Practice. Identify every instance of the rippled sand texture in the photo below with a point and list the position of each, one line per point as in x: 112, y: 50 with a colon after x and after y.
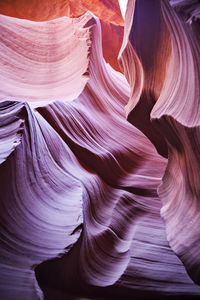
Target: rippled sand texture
x: 114, y: 202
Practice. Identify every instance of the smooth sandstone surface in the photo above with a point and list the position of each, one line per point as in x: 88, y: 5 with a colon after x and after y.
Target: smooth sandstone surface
x: 171, y: 113
x: 98, y: 205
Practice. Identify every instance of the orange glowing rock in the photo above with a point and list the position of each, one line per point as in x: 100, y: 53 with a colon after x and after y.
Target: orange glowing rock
x: 112, y: 37
x: 43, y: 10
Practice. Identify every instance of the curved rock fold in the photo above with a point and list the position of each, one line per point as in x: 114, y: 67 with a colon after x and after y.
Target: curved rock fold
x: 94, y: 202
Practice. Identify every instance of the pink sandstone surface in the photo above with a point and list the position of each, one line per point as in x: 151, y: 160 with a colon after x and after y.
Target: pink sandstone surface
x: 99, y: 168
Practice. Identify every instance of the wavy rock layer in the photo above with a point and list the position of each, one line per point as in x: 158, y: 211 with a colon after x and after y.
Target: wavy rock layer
x: 77, y: 178
x: 41, y: 61
x: 41, y: 202
x: 167, y: 94
x: 44, y: 10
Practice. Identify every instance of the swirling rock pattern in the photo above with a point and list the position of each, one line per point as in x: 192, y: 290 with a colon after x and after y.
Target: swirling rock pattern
x: 43, y: 10
x: 78, y: 182
x: 170, y: 104
x: 41, y: 203
x: 51, y: 50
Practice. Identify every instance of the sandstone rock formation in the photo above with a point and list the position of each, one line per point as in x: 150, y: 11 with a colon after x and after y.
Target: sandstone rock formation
x: 99, y: 206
